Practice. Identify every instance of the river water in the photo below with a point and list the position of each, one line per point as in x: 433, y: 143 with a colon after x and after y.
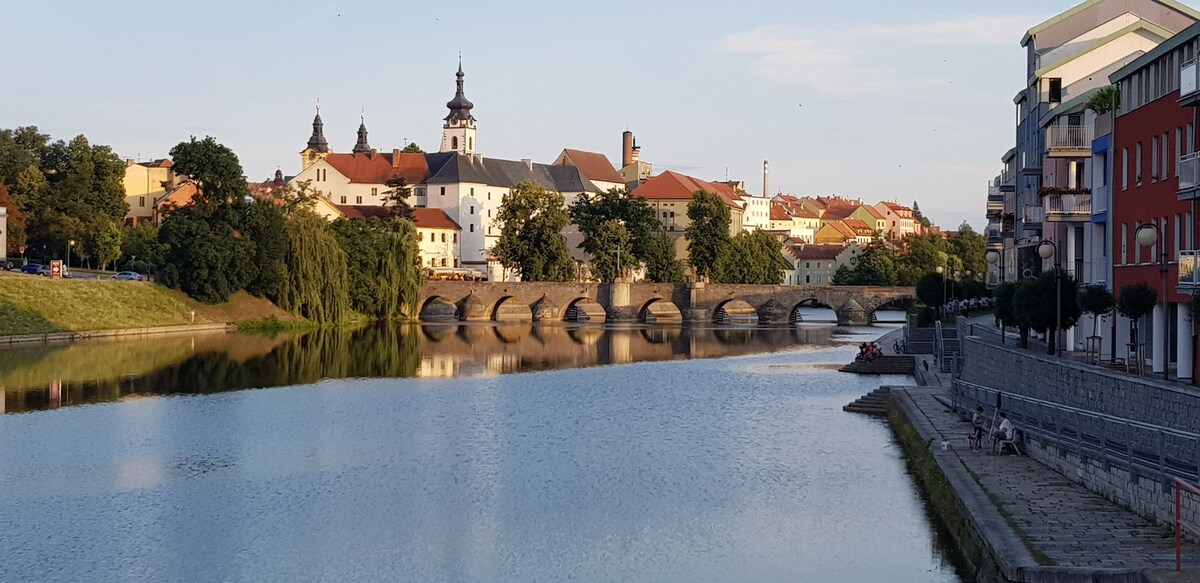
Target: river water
x: 399, y: 453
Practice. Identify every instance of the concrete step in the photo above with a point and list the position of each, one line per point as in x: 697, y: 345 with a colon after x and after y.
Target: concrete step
x: 873, y: 403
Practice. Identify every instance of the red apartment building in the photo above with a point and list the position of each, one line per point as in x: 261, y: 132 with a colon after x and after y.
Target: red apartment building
x: 1154, y: 141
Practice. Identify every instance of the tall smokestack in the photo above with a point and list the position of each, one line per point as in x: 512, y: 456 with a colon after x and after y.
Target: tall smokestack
x: 766, y: 182
x: 626, y: 148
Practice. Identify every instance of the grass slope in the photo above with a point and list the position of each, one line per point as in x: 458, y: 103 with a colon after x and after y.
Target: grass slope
x: 36, y: 305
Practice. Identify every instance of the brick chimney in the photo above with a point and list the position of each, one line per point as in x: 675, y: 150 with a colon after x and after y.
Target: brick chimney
x: 766, y: 182
x: 626, y: 148
x: 395, y: 158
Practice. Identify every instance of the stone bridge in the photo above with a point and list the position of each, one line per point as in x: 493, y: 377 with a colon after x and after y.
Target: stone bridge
x: 649, y: 302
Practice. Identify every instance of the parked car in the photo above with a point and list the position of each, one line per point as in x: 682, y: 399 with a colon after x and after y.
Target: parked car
x: 43, y: 270
x: 129, y: 276
x: 31, y: 269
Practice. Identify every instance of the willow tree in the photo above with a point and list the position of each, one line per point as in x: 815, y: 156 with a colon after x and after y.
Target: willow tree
x: 385, y: 274
x: 315, y: 286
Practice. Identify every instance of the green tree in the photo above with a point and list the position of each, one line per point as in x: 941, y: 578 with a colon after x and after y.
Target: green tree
x: 1003, y: 307
x: 31, y: 191
x: 263, y: 222
x: 214, y: 167
x: 920, y: 218
x: 638, y: 219
x: 207, y: 257
x: 931, y: 290
x: 610, y: 249
x: 140, y: 242
x: 396, y: 197
x: 1036, y: 300
x: 531, y: 220
x: 1104, y: 100
x: 316, y: 286
x: 384, y: 272
x: 104, y: 244
x: 752, y: 258
x: 662, y: 265
x: 708, y: 234
x: 20, y: 148
x: 876, y: 265
x: 1134, y: 302
x: 1097, y: 301
x: 970, y: 248
x: 412, y: 148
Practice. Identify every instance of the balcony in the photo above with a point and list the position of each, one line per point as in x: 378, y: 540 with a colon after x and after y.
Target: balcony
x: 1189, y: 176
x: 995, y: 206
x: 1189, y: 276
x: 1068, y: 207
x: 1032, y: 217
x: 1189, y: 84
x: 995, y: 238
x: 1069, y: 141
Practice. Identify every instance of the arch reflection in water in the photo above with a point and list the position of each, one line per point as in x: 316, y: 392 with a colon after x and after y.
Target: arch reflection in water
x: 45, y: 377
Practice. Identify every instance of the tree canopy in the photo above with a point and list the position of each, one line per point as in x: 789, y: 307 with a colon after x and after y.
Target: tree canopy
x: 754, y: 258
x: 708, y: 233
x: 646, y: 241
x: 531, y: 220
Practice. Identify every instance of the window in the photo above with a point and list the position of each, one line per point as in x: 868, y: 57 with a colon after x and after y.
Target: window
x: 1154, y: 158
x: 1124, y: 243
x: 472, y: 209
x: 472, y: 191
x: 1176, y: 251
x: 343, y: 200
x: 433, y: 237
x: 374, y: 191
x: 455, y: 235
x: 489, y: 230
x: 1124, y: 168
x: 1166, y: 156
x: 358, y: 200
x: 443, y: 191
x: 443, y: 262
x: 808, y: 279
x: 1190, y: 136
x: 454, y: 143
x: 472, y: 228
x: 443, y: 237
x: 808, y: 265
x: 141, y: 201
x: 1137, y: 163
x: 489, y: 195
x: 1055, y: 90
x: 489, y: 213
x: 456, y: 262
x: 471, y: 143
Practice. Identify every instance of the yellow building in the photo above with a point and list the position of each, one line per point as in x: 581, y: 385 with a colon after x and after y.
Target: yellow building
x: 145, y: 184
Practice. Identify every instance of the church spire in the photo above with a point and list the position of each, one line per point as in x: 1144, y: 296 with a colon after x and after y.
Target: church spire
x: 317, y: 142
x: 362, y: 147
x: 460, y: 107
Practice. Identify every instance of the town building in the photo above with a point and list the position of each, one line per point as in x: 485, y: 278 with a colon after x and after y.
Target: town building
x: 145, y: 183
x: 835, y: 233
x: 595, y: 167
x: 1154, y: 184
x: 670, y: 193
x: 816, y: 264
x: 898, y: 220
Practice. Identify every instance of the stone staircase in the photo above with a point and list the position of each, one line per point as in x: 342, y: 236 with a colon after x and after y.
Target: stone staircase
x: 951, y: 349
x: 920, y: 341
x: 874, y: 403
x: 887, y: 364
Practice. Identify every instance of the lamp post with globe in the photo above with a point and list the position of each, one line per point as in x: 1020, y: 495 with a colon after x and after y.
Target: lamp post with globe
x: 1046, y: 250
x: 1147, y: 236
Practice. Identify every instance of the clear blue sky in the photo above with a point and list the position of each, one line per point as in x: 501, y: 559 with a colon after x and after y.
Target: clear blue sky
x: 877, y: 99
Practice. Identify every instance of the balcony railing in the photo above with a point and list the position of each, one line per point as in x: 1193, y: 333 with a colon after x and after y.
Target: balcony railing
x: 1068, y: 138
x: 1033, y: 216
x: 1189, y: 276
x: 1068, y: 206
x: 1189, y: 171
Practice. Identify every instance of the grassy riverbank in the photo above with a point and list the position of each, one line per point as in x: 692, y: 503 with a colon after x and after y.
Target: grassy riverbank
x: 39, y: 305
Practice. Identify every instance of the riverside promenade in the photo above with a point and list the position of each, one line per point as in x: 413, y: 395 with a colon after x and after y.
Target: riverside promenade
x: 1022, y: 520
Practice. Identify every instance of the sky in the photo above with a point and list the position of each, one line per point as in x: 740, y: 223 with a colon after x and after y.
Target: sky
x: 876, y: 99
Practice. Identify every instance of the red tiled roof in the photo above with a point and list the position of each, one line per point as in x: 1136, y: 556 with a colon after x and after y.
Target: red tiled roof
x: 674, y: 186
x: 363, y: 211
x: 431, y: 218
x: 839, y: 212
x: 594, y: 166
x: 899, y: 208
x: 379, y: 168
x: 859, y: 226
x: 842, y: 228
x: 873, y: 211
x: 779, y: 212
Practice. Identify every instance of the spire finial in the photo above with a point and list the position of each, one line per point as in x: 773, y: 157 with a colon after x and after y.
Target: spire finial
x: 318, y: 106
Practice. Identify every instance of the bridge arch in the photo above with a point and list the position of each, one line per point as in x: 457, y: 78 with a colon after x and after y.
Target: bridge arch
x: 511, y: 309
x: 796, y: 316
x: 584, y: 309
x: 735, y: 311
x: 660, y: 311
x: 438, y: 309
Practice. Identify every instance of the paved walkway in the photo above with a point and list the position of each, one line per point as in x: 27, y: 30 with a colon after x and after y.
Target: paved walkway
x: 1058, y: 521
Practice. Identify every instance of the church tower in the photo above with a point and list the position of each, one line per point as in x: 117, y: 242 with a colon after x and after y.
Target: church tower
x: 458, y: 133
x: 317, y: 148
x: 362, y: 147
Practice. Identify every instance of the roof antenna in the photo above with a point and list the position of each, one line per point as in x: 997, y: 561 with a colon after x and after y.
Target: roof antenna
x: 726, y: 174
x: 318, y: 106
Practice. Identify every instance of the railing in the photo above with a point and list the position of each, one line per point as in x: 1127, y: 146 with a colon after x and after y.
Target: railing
x: 1033, y: 215
x: 1189, y: 74
x: 1180, y: 525
x: 1189, y: 276
x: 1150, y: 450
x: 1099, y: 199
x: 1068, y: 204
x: 1189, y: 171
x: 1007, y: 177
x: 1069, y: 138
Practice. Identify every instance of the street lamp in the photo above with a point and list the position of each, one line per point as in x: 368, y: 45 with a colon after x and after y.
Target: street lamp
x: 1147, y: 236
x: 942, y: 270
x: 997, y: 258
x: 1046, y: 249
x: 70, y: 244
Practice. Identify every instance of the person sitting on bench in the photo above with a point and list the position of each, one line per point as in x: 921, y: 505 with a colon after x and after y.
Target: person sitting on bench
x: 1004, y: 435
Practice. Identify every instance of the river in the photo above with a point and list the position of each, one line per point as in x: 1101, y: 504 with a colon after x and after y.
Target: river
x: 456, y: 453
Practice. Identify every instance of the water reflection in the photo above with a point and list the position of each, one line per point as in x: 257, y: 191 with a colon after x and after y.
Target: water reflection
x: 46, y: 377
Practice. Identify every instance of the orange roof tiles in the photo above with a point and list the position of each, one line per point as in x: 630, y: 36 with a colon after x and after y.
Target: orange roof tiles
x: 779, y: 212
x: 816, y: 251
x: 674, y: 186
x: 375, y: 168
x: 363, y: 211
x: 594, y: 166
x: 859, y: 226
x: 431, y: 218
